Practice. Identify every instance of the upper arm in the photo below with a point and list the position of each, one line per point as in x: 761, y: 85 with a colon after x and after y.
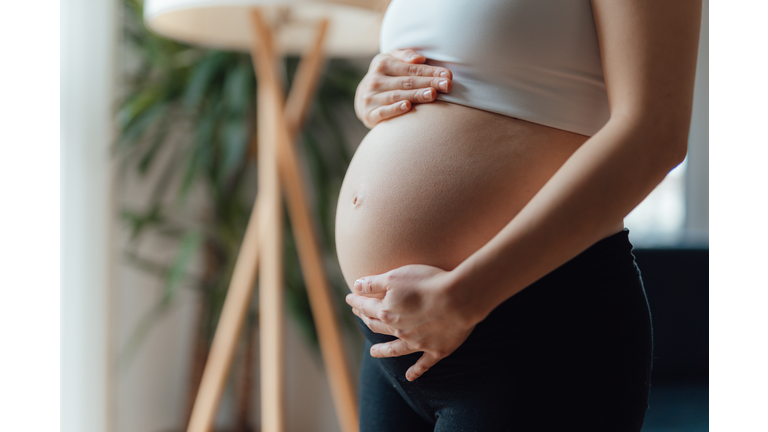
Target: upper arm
x: 649, y: 49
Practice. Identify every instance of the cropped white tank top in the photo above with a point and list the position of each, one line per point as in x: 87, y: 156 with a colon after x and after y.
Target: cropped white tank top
x: 536, y: 60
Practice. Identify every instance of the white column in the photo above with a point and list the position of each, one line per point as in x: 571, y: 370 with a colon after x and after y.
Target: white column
x: 697, y: 176
x: 88, y: 35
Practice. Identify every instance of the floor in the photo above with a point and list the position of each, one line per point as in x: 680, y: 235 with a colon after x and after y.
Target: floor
x: 678, y: 408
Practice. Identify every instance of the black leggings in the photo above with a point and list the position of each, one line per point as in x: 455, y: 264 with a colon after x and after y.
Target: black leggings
x: 570, y: 352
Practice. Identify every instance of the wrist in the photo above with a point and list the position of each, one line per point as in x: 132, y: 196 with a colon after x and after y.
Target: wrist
x: 469, y: 296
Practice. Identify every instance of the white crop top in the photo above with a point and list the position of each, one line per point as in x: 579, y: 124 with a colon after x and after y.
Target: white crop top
x: 536, y: 60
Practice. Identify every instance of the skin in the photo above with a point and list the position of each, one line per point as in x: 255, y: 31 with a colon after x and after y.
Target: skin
x: 648, y: 49
x: 409, y: 196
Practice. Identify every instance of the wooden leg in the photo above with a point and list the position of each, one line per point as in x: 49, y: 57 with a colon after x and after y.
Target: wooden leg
x: 271, y: 309
x: 230, y: 323
x: 310, y: 257
x: 304, y: 83
x: 278, y: 161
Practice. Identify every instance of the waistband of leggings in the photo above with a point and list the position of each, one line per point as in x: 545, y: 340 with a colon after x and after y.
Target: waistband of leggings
x: 609, y: 259
x: 614, y: 245
x: 606, y: 266
x: 609, y: 256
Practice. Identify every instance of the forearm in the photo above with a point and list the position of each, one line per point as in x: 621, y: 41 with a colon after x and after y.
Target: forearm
x: 582, y: 203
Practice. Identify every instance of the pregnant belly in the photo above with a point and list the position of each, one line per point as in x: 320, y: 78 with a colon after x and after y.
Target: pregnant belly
x: 433, y: 186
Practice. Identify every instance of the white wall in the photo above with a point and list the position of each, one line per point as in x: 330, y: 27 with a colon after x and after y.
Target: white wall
x: 87, y: 48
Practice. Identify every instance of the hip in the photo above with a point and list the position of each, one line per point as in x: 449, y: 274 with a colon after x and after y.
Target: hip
x: 590, y: 314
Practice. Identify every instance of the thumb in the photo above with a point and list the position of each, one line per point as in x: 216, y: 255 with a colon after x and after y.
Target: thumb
x: 408, y: 56
x: 371, y: 285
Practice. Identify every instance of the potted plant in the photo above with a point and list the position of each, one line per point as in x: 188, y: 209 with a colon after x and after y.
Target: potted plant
x: 197, y: 107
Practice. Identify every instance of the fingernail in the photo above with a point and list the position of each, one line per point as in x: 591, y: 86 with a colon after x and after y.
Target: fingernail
x: 427, y: 94
x: 403, y: 106
x: 374, y: 351
x: 443, y: 74
x: 443, y: 85
x: 413, y: 56
x: 359, y: 282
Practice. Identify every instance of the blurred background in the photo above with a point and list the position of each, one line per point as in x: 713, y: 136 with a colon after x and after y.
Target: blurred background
x: 157, y: 172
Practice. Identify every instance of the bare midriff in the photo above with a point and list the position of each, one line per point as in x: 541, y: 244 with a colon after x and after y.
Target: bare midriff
x: 436, y: 184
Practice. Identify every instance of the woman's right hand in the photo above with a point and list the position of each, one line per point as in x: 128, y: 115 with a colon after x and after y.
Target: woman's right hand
x: 396, y: 80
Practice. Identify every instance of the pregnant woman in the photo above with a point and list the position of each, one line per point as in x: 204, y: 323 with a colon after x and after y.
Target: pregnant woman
x: 482, y: 233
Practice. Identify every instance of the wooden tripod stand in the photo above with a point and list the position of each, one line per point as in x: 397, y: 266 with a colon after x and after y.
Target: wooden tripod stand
x: 278, y: 168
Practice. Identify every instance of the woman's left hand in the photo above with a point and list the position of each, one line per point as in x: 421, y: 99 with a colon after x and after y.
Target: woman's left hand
x: 421, y: 307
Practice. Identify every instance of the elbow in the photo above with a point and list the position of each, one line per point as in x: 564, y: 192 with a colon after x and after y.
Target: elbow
x: 662, y: 129
x: 663, y: 152
x: 675, y: 149
x: 674, y: 140
x: 663, y: 135
x: 669, y: 130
